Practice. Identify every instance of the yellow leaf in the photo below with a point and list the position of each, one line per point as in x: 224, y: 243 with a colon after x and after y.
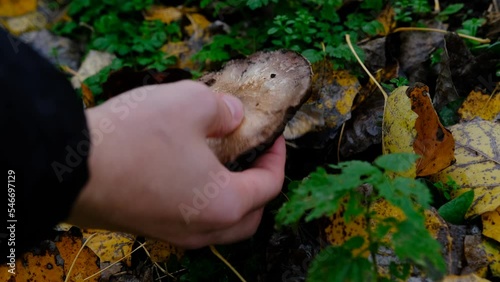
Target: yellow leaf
x: 110, y: 246
x: 399, y: 125
x: 491, y: 224
x: 53, y: 262
x: 160, y: 252
x: 471, y: 277
x: 479, y: 104
x: 198, y: 27
x: 14, y: 8
x: 493, y: 255
x: 27, y: 22
x: 411, y: 125
x: 162, y: 13
x: 477, y: 164
x: 386, y: 18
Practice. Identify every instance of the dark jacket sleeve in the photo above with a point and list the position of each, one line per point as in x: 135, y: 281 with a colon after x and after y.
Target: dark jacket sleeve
x: 44, y: 146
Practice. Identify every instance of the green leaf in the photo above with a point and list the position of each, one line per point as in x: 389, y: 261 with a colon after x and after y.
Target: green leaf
x: 337, y: 264
x: 451, y: 9
x: 397, y: 162
x: 454, y: 211
x: 272, y: 30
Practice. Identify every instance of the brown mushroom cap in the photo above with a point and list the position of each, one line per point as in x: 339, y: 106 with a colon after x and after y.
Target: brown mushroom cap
x: 272, y: 85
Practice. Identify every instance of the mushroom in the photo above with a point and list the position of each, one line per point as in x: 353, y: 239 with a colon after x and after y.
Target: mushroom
x: 272, y: 86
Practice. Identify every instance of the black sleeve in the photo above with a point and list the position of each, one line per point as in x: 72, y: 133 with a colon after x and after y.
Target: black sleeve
x: 44, y: 146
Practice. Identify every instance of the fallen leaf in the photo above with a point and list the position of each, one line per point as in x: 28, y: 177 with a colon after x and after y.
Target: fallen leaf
x: 464, y: 278
x: 477, y: 164
x: 332, y: 95
x: 110, y: 246
x: 27, y: 22
x: 160, y: 252
x: 491, y: 224
x: 411, y: 125
x: 14, y: 8
x: 52, y: 262
x: 482, y: 105
x: 163, y: 13
x: 386, y: 18
x: 88, y: 97
x: 434, y: 142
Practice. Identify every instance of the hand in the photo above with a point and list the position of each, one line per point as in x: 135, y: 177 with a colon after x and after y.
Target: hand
x: 152, y: 173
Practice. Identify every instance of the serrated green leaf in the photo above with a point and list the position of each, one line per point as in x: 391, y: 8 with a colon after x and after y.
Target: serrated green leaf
x: 397, y: 162
x: 454, y: 211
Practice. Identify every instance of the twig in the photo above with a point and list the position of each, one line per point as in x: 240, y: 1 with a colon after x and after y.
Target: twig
x: 217, y: 254
x: 76, y: 257
x: 348, y: 39
x: 437, y: 7
x: 109, y: 266
x: 480, y: 40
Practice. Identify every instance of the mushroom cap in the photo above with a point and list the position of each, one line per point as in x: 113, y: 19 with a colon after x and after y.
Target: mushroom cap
x: 272, y: 85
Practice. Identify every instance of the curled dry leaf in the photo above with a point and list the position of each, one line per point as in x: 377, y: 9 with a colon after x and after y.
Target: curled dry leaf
x: 272, y: 86
x: 412, y: 125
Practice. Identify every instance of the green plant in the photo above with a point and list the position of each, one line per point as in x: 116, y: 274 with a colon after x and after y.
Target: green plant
x: 470, y: 27
x: 447, y: 188
x: 405, y: 10
x: 118, y: 27
x: 395, y: 83
x: 323, y: 194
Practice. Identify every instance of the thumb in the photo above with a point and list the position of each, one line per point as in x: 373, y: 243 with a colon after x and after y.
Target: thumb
x: 228, y: 116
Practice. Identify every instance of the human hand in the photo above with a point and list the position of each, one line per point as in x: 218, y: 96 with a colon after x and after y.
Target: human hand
x: 153, y: 174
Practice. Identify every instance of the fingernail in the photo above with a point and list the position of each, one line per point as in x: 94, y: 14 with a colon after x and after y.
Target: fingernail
x: 235, y: 106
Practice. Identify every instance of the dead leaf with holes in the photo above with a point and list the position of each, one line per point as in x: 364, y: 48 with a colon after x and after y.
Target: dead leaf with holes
x: 411, y: 125
x: 482, y: 105
x: 340, y: 231
x: 53, y: 260
x: 478, y: 164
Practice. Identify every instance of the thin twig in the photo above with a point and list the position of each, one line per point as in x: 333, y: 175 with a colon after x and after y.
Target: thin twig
x: 76, y: 257
x: 109, y: 266
x: 217, y: 254
x: 437, y: 7
x: 480, y: 40
x: 348, y: 39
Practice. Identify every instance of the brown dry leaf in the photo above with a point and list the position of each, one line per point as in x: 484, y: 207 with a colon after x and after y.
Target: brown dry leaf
x: 160, y: 252
x: 110, y: 246
x: 434, y: 142
x: 482, y: 105
x: 478, y: 164
x: 163, y: 13
x: 412, y: 125
x: 14, y: 8
x: 88, y: 97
